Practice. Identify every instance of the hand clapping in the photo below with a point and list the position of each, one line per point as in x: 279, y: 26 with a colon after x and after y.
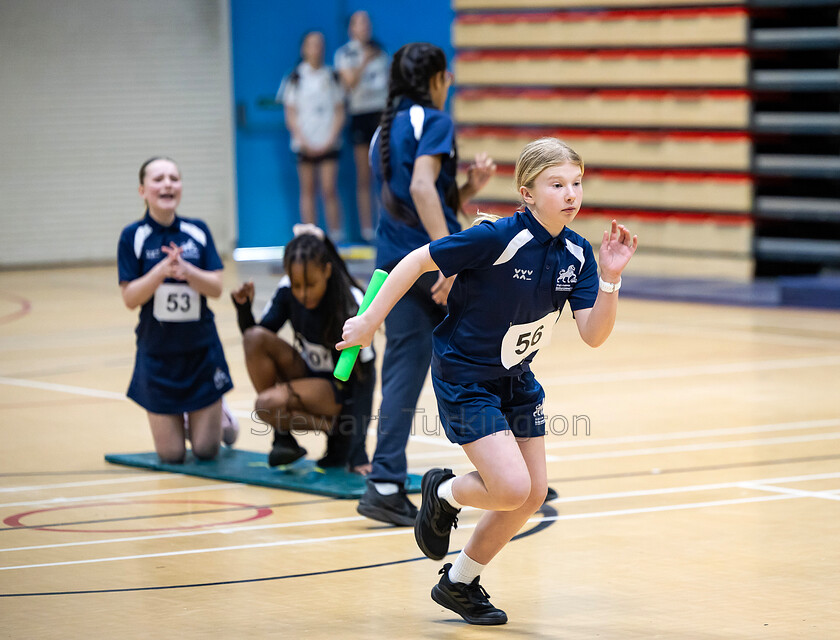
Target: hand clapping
x: 172, y: 265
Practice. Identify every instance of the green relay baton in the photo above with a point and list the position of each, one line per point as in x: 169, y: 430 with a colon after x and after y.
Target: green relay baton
x: 347, y: 359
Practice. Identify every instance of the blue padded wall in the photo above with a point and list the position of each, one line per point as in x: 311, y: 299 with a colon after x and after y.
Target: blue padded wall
x: 266, y: 38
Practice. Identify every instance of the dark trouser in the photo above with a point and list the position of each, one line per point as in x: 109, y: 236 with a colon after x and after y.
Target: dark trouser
x: 408, y: 353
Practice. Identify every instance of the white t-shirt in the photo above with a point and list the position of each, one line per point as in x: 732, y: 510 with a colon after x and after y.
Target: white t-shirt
x: 313, y: 93
x: 371, y: 93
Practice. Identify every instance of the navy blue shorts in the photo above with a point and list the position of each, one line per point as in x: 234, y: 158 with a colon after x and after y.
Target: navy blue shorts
x: 179, y: 383
x: 472, y: 410
x: 329, y: 155
x: 363, y: 126
x: 341, y: 390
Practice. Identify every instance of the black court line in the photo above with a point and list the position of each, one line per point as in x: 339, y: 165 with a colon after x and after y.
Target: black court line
x: 713, y: 467
x: 276, y: 505
x: 546, y: 510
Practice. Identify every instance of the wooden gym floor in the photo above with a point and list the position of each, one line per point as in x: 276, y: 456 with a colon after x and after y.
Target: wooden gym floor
x: 696, y: 454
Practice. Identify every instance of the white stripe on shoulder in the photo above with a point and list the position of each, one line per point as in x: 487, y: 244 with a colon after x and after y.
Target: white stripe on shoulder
x: 576, y: 251
x: 140, y: 236
x: 417, y: 115
x: 285, y: 282
x: 195, y: 232
x: 519, y: 240
x: 358, y: 296
x: 373, y: 142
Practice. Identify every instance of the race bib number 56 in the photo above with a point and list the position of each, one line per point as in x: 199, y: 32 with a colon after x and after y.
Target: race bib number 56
x: 521, y: 340
x: 176, y: 302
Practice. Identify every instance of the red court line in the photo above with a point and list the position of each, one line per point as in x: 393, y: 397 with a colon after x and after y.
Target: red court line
x: 17, y: 519
x: 605, y: 94
x: 600, y: 16
x: 538, y: 132
x: 652, y: 176
x: 25, y: 307
x: 734, y: 219
x: 542, y: 54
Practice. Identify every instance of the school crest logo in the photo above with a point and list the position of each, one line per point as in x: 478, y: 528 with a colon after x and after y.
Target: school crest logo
x: 566, y: 279
x: 220, y: 378
x: 190, y: 250
x: 539, y: 416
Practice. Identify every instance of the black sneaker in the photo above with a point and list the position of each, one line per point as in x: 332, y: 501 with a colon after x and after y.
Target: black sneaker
x: 337, y: 452
x: 285, y: 450
x: 470, y: 601
x: 436, y: 518
x: 394, y: 509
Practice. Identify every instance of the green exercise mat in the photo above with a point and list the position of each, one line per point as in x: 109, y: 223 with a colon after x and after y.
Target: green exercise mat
x: 251, y: 467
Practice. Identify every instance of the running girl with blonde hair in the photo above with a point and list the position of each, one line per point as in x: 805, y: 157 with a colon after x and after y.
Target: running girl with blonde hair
x: 488, y: 399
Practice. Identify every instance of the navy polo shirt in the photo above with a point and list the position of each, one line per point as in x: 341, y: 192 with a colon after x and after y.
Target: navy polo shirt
x: 513, y: 280
x: 415, y: 131
x: 176, y: 319
x: 308, y: 325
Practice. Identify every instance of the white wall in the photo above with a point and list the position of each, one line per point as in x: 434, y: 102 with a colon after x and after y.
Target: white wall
x: 88, y: 90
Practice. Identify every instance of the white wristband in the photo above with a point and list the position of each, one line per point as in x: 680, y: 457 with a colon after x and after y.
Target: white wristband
x: 608, y: 287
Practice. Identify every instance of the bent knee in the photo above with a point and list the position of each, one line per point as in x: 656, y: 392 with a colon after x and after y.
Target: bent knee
x: 172, y: 455
x: 537, y: 496
x: 254, y: 338
x: 275, y: 398
x: 513, y: 493
x: 206, y: 445
x: 206, y: 451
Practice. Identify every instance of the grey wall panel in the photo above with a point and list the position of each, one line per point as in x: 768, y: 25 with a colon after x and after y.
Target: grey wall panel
x: 88, y: 90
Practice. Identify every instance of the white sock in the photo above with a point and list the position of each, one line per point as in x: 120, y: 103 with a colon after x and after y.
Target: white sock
x: 465, y: 569
x: 386, y: 488
x: 445, y: 493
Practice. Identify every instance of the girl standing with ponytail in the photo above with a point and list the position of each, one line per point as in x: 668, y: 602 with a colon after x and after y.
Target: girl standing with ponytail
x: 414, y: 160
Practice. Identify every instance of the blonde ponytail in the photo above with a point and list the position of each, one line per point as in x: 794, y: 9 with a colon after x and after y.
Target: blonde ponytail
x: 480, y: 217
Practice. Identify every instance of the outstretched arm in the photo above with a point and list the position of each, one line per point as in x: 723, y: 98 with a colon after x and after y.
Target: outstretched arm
x: 359, y: 330
x: 617, y: 247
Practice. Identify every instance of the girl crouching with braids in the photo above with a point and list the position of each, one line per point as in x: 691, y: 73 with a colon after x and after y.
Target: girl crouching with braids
x: 295, y: 386
x: 414, y: 160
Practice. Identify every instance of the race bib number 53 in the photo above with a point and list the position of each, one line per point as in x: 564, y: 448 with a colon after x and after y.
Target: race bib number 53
x: 176, y: 302
x: 521, y: 340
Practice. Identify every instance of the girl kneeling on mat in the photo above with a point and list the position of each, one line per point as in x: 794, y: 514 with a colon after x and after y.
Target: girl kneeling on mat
x: 514, y: 276
x: 168, y: 266
x: 295, y: 386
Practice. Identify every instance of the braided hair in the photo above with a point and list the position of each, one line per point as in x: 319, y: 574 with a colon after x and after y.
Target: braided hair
x: 412, y: 69
x: 338, y: 298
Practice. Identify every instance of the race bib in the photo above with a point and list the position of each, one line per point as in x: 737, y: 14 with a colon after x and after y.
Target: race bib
x: 317, y: 357
x: 521, y: 340
x: 176, y: 302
